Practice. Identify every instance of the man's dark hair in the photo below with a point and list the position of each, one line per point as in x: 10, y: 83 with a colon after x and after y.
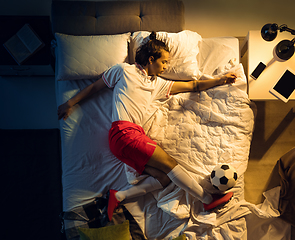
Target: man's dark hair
x: 152, y: 48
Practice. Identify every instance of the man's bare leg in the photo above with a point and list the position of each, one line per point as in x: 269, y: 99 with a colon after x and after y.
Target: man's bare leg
x: 158, y: 174
x: 178, y: 175
x: 161, y: 160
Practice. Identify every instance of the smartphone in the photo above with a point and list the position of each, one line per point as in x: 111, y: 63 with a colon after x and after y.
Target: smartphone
x: 285, y: 86
x: 258, y: 70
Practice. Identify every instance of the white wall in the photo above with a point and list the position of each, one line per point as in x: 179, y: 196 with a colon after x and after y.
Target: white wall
x: 235, y: 17
x: 30, y: 102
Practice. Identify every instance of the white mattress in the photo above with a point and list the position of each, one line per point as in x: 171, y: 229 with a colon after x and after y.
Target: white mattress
x: 90, y: 169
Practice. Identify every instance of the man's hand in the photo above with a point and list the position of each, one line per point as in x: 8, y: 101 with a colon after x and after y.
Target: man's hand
x: 228, y: 78
x: 64, y: 111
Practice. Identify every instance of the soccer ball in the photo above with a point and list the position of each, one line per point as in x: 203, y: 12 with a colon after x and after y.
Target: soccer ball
x: 223, y: 177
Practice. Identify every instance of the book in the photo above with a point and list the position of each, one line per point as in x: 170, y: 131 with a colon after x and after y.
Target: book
x: 23, y: 44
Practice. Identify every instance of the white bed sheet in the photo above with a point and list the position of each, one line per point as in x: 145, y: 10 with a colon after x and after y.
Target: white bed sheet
x: 90, y: 169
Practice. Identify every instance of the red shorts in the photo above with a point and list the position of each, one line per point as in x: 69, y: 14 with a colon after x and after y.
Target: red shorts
x: 129, y: 144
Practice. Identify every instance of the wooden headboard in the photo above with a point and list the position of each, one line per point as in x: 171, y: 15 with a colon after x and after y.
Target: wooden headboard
x: 114, y: 17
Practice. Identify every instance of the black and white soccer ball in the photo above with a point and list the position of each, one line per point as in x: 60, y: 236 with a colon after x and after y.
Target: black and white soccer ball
x: 223, y: 177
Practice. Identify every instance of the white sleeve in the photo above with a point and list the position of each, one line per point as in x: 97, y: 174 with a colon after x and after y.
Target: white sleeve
x: 163, y: 88
x: 113, y: 75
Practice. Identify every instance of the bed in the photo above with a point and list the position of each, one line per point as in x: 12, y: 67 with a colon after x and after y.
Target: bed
x: 200, y: 130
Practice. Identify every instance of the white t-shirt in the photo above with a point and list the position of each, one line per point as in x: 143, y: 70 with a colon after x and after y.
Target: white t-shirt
x: 136, y: 95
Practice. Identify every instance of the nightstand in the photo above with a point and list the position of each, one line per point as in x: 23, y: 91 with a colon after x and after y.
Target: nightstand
x: 39, y: 64
x: 259, y: 50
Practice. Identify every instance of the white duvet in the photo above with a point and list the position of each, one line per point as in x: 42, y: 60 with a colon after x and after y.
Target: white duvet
x: 201, y: 130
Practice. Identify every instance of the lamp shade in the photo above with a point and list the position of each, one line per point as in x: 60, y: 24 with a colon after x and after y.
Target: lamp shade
x: 269, y: 31
x: 285, y: 49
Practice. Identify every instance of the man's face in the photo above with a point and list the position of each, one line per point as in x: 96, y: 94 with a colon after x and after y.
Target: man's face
x: 157, y: 67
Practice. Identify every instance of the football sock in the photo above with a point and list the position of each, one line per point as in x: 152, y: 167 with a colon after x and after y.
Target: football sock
x: 146, y: 185
x: 115, y: 197
x: 182, y: 179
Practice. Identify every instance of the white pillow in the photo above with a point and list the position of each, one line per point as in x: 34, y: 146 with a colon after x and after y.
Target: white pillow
x: 184, y: 50
x: 87, y: 57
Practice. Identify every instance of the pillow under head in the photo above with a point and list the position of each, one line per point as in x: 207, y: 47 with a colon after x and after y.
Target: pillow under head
x: 184, y: 50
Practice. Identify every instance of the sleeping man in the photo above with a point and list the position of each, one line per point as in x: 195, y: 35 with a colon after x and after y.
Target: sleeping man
x: 138, y: 91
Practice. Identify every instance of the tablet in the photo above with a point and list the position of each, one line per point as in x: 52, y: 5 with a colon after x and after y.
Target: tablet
x: 285, y: 86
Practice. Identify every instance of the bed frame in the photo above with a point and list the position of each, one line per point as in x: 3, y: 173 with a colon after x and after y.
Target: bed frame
x: 105, y: 17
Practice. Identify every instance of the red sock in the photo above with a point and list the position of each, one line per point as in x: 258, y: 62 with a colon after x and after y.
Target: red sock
x: 218, y: 199
x: 113, y: 203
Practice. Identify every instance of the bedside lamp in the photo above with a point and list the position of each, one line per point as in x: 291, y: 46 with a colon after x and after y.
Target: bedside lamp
x: 284, y: 49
